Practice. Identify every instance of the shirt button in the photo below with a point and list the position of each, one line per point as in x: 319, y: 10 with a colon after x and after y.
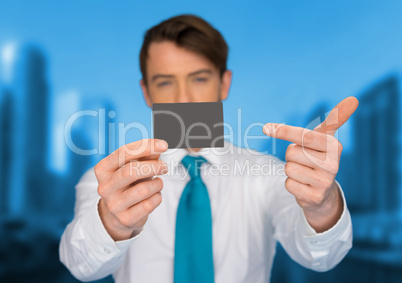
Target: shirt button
x: 314, y: 242
x: 87, y: 269
x: 317, y: 263
x: 106, y: 251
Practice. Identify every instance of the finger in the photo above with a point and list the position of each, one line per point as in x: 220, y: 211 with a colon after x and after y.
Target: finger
x: 299, y: 190
x: 338, y: 116
x: 298, y: 135
x: 135, y: 171
x: 150, y: 157
x: 139, y: 192
x: 300, y: 173
x: 144, y: 207
x: 136, y: 150
x: 139, y: 181
x: 305, y: 156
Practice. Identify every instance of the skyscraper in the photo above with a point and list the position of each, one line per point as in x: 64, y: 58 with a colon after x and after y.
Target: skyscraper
x: 5, y: 148
x: 377, y: 147
x: 29, y: 130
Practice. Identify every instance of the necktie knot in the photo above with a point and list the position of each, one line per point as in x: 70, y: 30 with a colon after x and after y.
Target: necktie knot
x: 193, y: 165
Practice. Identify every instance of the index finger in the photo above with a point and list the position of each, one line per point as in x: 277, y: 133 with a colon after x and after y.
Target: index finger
x: 141, y: 149
x: 297, y: 135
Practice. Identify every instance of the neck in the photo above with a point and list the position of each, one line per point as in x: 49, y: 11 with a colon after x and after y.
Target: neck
x: 193, y: 149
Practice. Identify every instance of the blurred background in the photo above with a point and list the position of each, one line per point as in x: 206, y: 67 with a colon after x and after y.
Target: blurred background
x: 292, y: 62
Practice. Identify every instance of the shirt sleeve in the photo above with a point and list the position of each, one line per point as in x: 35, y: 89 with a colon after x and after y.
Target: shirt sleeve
x: 316, y: 251
x: 86, y: 248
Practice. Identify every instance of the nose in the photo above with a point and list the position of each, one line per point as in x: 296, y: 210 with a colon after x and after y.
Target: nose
x: 183, y: 94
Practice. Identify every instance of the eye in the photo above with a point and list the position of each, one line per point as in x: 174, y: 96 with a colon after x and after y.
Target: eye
x: 165, y: 83
x: 200, y: 79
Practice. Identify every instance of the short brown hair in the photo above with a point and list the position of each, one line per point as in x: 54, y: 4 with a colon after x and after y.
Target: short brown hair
x: 192, y: 33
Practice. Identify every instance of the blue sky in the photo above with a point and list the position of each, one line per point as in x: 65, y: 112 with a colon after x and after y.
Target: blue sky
x: 287, y: 56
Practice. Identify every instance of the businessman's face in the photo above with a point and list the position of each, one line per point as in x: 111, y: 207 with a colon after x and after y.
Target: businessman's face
x: 175, y: 75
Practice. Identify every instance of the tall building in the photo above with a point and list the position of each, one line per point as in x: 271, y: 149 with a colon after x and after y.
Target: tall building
x: 376, y: 152
x: 29, y: 131
x: 5, y: 147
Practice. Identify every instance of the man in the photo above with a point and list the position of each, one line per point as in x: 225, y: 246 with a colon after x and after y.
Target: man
x: 205, y: 227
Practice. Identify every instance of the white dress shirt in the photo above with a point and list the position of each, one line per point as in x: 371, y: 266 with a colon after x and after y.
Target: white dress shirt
x: 251, y: 210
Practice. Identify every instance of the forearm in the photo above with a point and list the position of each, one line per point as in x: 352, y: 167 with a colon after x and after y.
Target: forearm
x: 87, y: 250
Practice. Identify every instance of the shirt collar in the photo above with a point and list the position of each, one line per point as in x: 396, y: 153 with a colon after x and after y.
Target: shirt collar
x: 214, y: 156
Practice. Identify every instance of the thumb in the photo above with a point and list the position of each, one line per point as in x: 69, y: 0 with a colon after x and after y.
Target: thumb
x: 338, y: 116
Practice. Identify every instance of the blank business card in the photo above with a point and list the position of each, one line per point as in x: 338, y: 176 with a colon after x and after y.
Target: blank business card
x: 189, y: 125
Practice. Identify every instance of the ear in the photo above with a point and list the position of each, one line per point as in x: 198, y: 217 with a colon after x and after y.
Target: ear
x: 145, y: 93
x: 225, y: 84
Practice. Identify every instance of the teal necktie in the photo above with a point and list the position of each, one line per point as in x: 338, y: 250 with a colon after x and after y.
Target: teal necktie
x: 193, y: 261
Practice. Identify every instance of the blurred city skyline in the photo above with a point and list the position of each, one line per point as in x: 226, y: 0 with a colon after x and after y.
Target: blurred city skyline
x: 312, y: 52
x: 295, y: 60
